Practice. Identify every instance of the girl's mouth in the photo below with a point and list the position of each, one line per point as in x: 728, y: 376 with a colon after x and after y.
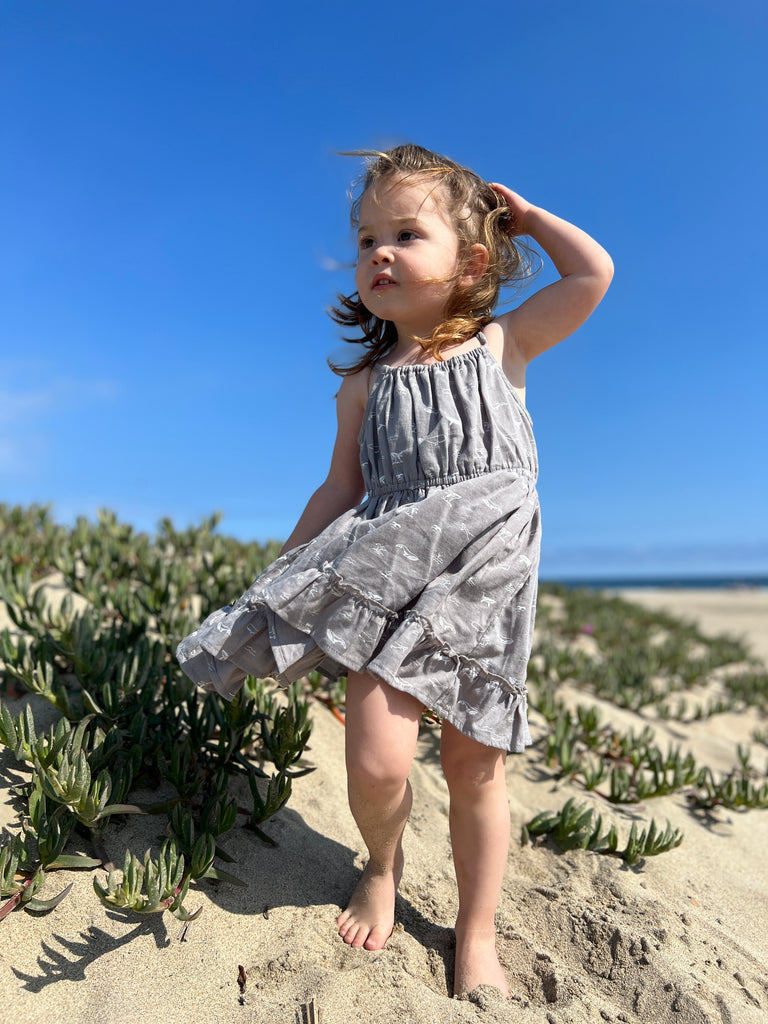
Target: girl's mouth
x: 381, y: 282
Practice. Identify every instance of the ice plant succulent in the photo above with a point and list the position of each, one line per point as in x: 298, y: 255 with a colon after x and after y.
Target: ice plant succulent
x: 129, y: 718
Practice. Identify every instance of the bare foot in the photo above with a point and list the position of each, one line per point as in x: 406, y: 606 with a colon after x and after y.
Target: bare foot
x: 477, y: 964
x: 368, y: 920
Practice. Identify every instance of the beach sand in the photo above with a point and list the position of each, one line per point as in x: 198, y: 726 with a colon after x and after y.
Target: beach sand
x: 582, y: 937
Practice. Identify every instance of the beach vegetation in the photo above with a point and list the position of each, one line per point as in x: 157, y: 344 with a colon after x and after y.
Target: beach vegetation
x: 637, y: 658
x: 592, y: 643
x: 575, y: 827
x: 151, y: 886
x: 582, y: 751
x: 740, y: 789
x: 95, y: 613
x: 748, y: 689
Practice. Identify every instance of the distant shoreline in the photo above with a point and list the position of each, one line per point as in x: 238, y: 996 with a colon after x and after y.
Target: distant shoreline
x: 681, y: 582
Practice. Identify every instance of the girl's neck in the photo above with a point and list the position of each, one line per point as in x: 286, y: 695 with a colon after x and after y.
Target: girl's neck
x: 408, y: 348
x: 414, y: 336
x: 411, y: 337
x: 411, y: 352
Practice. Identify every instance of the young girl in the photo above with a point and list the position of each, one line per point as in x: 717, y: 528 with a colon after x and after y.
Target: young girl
x: 413, y: 567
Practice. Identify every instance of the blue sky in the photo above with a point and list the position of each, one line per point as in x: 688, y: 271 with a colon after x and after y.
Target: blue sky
x: 174, y: 223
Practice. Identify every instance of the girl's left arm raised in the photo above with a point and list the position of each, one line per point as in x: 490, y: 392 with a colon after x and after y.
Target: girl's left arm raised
x: 557, y: 310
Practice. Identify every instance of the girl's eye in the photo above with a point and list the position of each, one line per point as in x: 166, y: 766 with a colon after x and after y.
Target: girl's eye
x: 406, y: 236
x: 365, y: 243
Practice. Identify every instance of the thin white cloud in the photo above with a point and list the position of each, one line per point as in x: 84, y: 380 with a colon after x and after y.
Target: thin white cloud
x: 29, y: 413
x: 50, y: 399
x: 20, y: 456
x: 332, y: 264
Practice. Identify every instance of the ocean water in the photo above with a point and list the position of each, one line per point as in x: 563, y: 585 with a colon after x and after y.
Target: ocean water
x: 681, y: 582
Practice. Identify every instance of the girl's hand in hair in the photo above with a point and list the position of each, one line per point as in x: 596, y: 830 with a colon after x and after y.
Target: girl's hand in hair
x: 518, y: 207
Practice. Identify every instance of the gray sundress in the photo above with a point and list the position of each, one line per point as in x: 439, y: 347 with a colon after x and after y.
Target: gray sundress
x: 430, y: 583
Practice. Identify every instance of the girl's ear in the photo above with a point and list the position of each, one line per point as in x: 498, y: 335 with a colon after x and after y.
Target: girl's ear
x: 477, y: 265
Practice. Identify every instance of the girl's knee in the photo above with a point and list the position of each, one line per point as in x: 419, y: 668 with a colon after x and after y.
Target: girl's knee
x: 367, y: 771
x: 468, y: 765
x: 381, y: 733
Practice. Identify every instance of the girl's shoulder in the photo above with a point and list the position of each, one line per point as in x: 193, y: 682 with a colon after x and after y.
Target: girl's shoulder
x: 355, y: 388
x: 501, y: 345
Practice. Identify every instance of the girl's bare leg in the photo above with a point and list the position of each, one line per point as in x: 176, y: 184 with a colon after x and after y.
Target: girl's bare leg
x: 381, y: 733
x: 479, y: 823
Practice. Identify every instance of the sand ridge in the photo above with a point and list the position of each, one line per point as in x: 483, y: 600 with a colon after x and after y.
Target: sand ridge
x: 582, y: 937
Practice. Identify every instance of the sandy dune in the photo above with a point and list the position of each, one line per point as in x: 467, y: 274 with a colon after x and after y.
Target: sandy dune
x: 582, y: 937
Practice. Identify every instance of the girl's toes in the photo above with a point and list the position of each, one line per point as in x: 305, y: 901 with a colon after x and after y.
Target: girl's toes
x: 377, y: 938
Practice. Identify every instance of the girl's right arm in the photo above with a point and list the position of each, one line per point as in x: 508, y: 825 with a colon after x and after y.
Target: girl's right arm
x: 558, y: 309
x: 343, y: 488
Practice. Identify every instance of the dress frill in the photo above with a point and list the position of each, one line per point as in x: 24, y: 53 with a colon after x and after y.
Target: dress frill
x: 430, y: 584
x: 303, y: 613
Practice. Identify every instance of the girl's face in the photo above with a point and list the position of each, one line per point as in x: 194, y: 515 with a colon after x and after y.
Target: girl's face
x: 408, y: 254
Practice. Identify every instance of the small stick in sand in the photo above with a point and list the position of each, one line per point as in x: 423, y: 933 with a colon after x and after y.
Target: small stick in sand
x: 310, y: 1014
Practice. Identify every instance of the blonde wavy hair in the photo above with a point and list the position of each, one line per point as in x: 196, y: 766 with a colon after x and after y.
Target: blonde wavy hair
x: 478, y: 215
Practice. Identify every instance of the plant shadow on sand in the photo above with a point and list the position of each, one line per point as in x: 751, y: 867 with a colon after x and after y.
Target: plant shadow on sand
x: 71, y: 962
x: 304, y: 869
x: 308, y: 869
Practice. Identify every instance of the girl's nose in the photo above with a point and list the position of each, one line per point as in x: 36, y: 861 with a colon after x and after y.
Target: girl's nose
x: 382, y: 255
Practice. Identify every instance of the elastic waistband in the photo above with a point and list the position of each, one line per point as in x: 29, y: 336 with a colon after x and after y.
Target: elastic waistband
x: 425, y: 483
